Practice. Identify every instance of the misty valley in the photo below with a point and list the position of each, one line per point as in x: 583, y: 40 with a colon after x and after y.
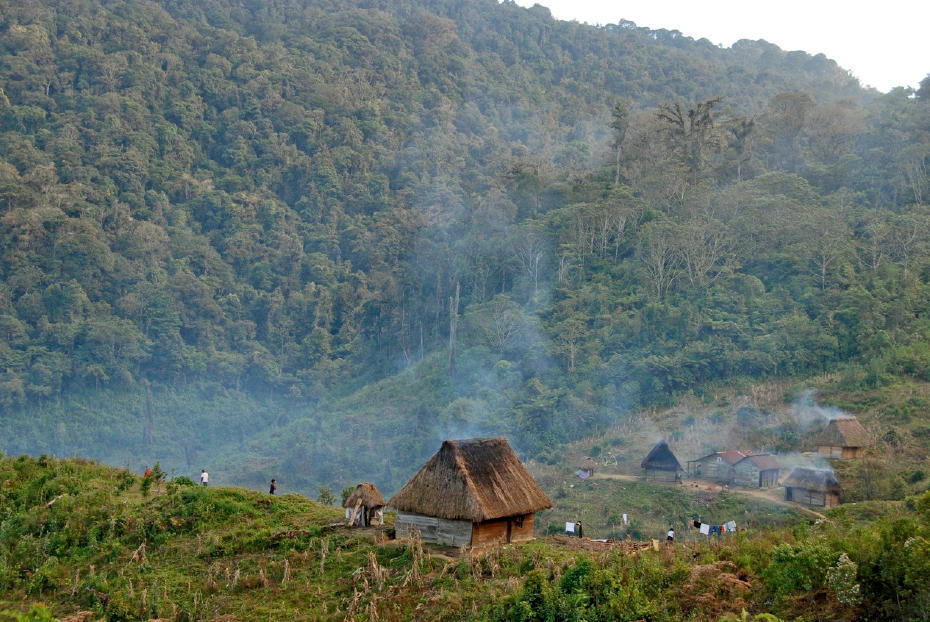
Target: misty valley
x: 522, y: 319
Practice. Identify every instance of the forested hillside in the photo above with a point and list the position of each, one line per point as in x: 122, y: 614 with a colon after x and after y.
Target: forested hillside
x: 280, y: 234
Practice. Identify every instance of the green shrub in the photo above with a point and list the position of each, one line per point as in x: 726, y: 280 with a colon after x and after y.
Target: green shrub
x: 799, y: 568
x: 326, y: 496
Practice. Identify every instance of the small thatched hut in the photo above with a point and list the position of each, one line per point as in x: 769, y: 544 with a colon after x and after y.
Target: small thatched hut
x: 812, y: 487
x: 365, y: 506
x: 586, y: 468
x: 473, y: 492
x: 844, y: 439
x: 661, y: 464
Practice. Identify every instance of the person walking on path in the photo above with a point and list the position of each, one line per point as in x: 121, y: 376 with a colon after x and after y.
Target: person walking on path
x: 274, y: 487
x: 204, y: 477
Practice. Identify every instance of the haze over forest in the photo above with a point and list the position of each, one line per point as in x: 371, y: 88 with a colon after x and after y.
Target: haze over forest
x: 234, y: 234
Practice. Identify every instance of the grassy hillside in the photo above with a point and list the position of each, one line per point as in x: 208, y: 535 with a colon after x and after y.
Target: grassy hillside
x: 79, y: 536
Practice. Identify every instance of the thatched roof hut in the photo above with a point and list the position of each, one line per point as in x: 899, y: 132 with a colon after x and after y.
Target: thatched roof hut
x: 369, y: 502
x: 812, y: 487
x: 586, y: 468
x: 661, y: 463
x: 368, y: 494
x: 472, y: 491
x: 843, y: 438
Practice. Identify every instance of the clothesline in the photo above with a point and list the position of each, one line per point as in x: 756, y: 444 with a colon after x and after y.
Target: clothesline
x: 709, y: 530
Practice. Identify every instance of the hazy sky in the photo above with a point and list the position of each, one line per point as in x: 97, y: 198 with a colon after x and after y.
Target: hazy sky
x: 883, y: 44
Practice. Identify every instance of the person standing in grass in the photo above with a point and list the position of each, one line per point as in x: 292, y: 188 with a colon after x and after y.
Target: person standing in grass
x: 274, y: 487
x: 204, y: 477
x: 670, y: 539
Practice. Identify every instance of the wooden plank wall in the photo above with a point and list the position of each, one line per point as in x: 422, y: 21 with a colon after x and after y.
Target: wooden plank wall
x: 432, y: 529
x: 716, y: 471
x: 812, y: 497
x: 524, y: 533
x: 502, y: 531
x: 770, y: 477
x: 660, y: 476
x: 746, y: 475
x: 489, y: 533
x: 828, y: 451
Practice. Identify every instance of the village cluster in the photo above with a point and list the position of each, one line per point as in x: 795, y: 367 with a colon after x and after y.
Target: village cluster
x: 843, y: 439
x: 477, y: 493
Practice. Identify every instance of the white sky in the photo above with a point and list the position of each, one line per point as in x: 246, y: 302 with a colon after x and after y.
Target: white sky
x: 882, y: 43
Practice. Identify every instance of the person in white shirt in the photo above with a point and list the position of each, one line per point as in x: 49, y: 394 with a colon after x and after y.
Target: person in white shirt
x: 204, y: 477
x: 671, y: 536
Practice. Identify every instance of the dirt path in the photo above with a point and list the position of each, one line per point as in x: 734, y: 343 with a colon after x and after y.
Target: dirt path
x: 773, y: 495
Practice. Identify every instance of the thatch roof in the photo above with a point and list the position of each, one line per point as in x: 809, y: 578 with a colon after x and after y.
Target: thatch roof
x: 765, y: 462
x: 369, y: 495
x: 844, y: 433
x: 477, y: 479
x: 587, y: 464
x: 662, y: 458
x: 820, y: 480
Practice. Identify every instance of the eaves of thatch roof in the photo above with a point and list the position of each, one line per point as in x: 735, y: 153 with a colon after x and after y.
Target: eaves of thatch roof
x: 368, y: 494
x: 477, y: 479
x: 844, y: 433
x: 820, y: 480
x: 587, y: 464
x: 662, y: 458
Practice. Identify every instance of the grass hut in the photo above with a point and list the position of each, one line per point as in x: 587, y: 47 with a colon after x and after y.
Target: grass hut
x: 812, y: 487
x: 756, y: 471
x: 365, y: 506
x: 586, y: 468
x: 844, y: 439
x: 661, y: 464
x: 474, y: 492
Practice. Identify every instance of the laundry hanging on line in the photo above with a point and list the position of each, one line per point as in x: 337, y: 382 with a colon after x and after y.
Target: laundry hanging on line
x: 708, y: 530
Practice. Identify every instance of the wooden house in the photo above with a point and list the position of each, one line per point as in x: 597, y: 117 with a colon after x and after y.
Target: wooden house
x: 586, y: 468
x: 365, y: 506
x: 844, y: 439
x: 717, y: 467
x: 737, y: 468
x: 756, y: 471
x: 661, y: 464
x: 812, y: 487
x: 472, y: 492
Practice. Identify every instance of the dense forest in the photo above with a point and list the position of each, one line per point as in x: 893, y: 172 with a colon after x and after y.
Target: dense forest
x: 273, y: 235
